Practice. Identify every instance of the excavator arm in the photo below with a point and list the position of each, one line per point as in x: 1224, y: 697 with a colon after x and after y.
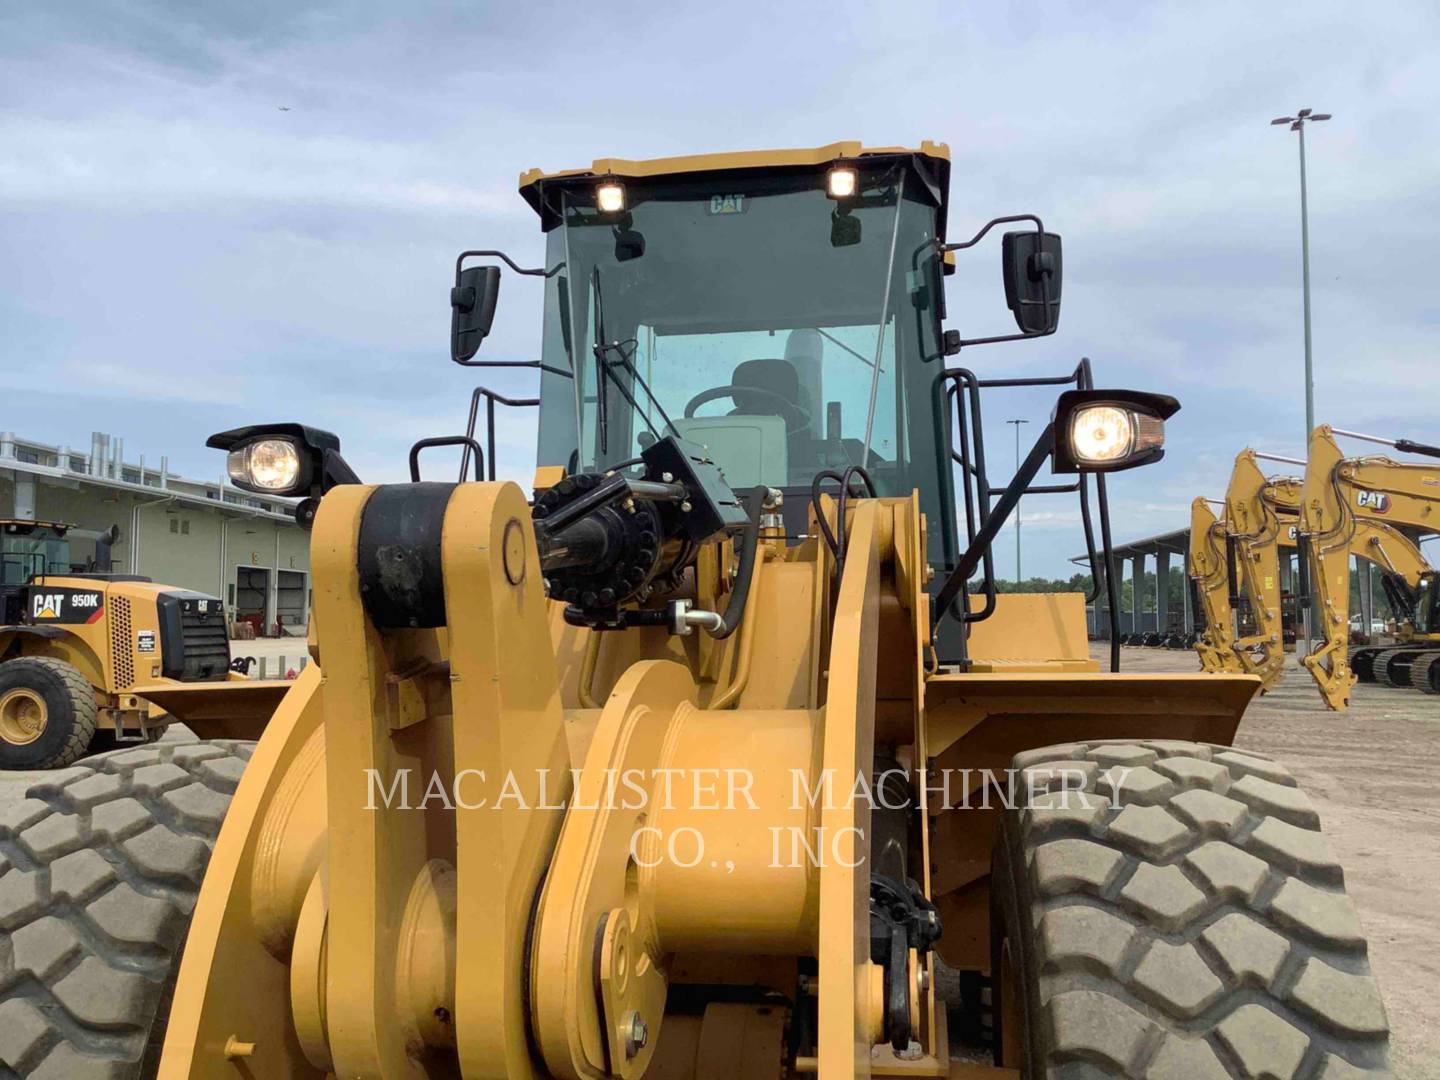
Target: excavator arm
x: 1259, y: 519
x: 1210, y: 581
x: 1356, y: 505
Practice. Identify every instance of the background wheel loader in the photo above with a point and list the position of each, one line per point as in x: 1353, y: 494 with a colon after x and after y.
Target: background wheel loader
x: 90, y: 654
x: 1341, y: 497
x: 710, y: 759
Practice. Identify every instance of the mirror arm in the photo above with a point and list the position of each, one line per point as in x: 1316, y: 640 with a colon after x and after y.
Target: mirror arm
x: 963, y: 244
x: 514, y: 364
x: 532, y: 272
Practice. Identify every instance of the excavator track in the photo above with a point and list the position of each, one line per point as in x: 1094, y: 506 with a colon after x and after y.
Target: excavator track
x: 1425, y: 672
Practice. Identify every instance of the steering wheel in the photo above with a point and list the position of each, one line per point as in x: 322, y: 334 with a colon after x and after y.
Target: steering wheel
x: 797, y: 419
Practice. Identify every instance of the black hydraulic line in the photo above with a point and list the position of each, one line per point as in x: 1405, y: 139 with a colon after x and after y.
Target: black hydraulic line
x: 829, y: 537
x: 845, y: 477
x: 749, y: 547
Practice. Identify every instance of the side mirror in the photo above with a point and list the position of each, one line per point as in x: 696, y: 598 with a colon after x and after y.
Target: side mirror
x: 472, y: 309
x: 1032, y: 269
x: 629, y: 244
x: 844, y: 229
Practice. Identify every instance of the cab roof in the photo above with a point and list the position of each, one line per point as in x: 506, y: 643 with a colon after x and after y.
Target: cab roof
x: 933, y: 157
x: 26, y: 527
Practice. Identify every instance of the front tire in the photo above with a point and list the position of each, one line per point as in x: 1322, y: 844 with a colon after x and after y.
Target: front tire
x: 47, y: 713
x: 99, y: 872
x: 1186, y: 919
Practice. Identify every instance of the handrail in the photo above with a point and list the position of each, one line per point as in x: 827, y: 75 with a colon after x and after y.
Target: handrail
x: 978, y: 494
x: 491, y: 397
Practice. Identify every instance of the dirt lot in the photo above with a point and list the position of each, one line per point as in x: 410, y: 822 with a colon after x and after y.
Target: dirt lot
x: 1372, y: 772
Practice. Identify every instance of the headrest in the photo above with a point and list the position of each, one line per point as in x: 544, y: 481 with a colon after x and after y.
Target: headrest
x: 777, y: 376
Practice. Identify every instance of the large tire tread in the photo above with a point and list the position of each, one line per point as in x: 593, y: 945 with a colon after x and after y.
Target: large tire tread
x: 100, y: 866
x: 1195, y: 925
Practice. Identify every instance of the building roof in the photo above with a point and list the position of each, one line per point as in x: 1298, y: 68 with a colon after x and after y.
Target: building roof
x: 1176, y: 542
x: 30, y: 456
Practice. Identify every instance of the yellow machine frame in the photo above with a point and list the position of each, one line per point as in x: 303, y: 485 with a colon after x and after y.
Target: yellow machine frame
x: 380, y: 943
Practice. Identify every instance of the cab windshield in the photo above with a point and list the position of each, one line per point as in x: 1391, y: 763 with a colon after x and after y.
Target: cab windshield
x: 1427, y: 605
x: 22, y: 557
x: 754, y: 315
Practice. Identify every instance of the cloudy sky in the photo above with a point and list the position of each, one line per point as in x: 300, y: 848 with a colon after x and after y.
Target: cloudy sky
x: 179, y: 255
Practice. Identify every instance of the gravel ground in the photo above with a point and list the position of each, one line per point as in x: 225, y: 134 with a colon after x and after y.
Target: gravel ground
x: 1371, y: 772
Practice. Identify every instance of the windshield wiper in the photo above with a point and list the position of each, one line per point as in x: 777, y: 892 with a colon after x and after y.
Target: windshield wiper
x: 602, y: 372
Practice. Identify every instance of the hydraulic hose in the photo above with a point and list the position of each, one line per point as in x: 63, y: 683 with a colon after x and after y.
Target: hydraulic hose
x: 749, y: 546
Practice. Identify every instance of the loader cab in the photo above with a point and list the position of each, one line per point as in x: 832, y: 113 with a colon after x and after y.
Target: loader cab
x: 752, y: 311
x: 32, y: 548
x: 28, y: 549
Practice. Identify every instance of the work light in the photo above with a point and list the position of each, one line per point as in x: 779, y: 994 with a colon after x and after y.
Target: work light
x: 842, y: 182
x: 272, y: 465
x: 1105, y: 430
x: 610, y: 197
x: 284, y: 459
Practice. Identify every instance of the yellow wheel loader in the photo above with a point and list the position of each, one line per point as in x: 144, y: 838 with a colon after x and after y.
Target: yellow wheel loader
x: 1341, y: 498
x: 1261, y: 519
x: 94, y: 657
x: 701, y: 762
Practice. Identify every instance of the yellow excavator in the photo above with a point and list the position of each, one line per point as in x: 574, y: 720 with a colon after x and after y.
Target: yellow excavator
x: 1341, y: 497
x: 701, y: 761
x: 1261, y: 519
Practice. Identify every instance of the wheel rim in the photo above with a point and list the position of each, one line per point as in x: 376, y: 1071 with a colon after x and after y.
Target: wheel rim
x: 23, y: 716
x: 1011, y: 1038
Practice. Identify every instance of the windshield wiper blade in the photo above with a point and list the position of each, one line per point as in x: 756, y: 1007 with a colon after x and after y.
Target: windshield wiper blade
x: 602, y: 369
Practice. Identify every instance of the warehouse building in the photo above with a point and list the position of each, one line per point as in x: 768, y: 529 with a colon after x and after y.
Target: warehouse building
x: 205, y: 536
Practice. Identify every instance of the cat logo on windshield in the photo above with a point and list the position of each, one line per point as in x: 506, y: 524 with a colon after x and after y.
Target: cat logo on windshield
x: 727, y: 204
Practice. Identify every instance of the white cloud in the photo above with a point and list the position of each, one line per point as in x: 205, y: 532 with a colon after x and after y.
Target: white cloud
x: 173, y: 239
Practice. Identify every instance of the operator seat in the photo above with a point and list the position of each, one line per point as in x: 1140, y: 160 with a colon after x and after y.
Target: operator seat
x: 779, y: 377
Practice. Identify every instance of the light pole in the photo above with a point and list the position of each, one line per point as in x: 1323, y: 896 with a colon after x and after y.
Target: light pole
x: 1297, y: 123
x: 1017, y: 424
